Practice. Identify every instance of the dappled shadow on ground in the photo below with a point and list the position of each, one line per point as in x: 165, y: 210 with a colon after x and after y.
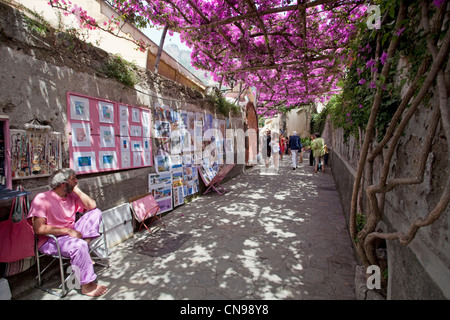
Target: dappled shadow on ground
x: 271, y: 236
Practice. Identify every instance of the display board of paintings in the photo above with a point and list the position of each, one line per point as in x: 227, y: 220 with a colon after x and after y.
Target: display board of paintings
x: 106, y: 135
x: 185, y: 142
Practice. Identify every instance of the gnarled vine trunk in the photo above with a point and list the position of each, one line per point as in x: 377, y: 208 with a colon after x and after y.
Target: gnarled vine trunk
x: 433, y: 70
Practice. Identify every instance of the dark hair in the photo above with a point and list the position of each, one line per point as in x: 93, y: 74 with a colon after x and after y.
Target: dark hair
x: 317, y: 134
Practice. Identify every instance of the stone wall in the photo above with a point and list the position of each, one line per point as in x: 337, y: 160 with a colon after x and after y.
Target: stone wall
x: 420, y: 270
x: 38, y: 71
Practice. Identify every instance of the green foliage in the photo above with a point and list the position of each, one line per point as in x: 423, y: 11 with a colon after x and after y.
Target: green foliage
x: 318, y: 121
x: 306, y: 142
x: 360, y: 221
x: 121, y: 70
x: 37, y: 25
x: 223, y: 105
x: 351, y: 109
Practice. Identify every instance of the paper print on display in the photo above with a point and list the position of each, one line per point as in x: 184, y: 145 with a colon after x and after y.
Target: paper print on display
x: 191, y: 181
x: 135, y: 115
x: 178, y: 197
x: 160, y: 186
x: 124, y: 129
x: 165, y: 204
x: 177, y: 187
x: 79, y: 108
x: 196, y: 180
x: 159, y: 113
x: 136, y: 145
x: 146, y: 124
x: 177, y: 163
x: 106, y: 112
x: 163, y: 163
x: 125, y: 159
x: 175, y: 140
x: 123, y: 113
x: 81, y: 134
x: 107, y: 160
x: 125, y: 144
x: 185, y: 140
x: 160, y: 179
x: 137, y: 159
x: 147, y: 158
x: 187, y: 159
x: 84, y: 161
x: 146, y: 143
x: 198, y: 131
x: 107, y: 139
x: 136, y: 131
x: 187, y: 177
x: 162, y: 129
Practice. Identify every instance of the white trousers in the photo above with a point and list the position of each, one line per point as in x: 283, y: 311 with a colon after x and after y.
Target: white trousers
x: 294, y: 154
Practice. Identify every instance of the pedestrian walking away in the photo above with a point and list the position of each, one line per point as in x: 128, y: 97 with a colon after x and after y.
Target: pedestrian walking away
x: 318, y: 149
x: 268, y: 139
x: 282, y: 146
x: 275, y: 146
x: 295, y: 145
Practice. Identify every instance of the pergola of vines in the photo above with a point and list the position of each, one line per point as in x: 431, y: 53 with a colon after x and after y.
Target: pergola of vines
x: 295, y: 52
x: 292, y: 52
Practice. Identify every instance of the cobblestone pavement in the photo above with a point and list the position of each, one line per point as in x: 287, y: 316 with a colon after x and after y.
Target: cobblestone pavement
x: 273, y: 235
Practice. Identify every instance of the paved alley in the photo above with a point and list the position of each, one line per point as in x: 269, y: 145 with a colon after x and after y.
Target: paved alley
x: 273, y: 235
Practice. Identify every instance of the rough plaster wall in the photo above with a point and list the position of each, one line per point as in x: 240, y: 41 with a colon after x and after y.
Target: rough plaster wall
x: 36, y: 75
x: 420, y: 270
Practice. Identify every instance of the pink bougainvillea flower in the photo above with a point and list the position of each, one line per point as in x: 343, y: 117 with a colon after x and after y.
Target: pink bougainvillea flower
x: 438, y: 3
x: 372, y: 85
x: 370, y: 63
x: 383, y: 58
x: 400, y: 31
x: 362, y: 81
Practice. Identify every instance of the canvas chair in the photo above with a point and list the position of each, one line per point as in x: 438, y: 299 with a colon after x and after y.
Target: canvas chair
x: 144, y: 207
x: 99, y: 254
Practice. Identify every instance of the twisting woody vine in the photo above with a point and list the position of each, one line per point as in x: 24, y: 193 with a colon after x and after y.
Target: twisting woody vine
x: 430, y: 71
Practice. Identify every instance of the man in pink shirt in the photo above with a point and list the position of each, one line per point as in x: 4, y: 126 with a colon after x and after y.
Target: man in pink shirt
x: 54, y: 212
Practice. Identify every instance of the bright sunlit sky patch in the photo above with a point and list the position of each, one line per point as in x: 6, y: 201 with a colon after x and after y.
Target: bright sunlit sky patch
x: 155, y: 35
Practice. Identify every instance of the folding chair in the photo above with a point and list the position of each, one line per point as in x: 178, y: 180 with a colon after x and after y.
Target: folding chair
x: 145, y: 207
x: 98, y: 247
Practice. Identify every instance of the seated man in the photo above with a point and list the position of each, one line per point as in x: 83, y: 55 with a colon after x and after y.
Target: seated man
x: 54, y: 212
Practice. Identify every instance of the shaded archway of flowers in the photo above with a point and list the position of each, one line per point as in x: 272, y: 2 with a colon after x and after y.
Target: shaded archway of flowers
x: 291, y: 52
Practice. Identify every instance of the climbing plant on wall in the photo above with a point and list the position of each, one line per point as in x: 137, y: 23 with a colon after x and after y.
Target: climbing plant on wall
x: 409, y: 54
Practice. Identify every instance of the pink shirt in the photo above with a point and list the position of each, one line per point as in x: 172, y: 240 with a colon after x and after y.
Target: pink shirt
x: 59, y: 212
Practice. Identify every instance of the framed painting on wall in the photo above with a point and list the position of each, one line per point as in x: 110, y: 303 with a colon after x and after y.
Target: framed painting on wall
x: 84, y: 162
x: 106, y: 112
x: 79, y: 108
x: 81, y: 134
